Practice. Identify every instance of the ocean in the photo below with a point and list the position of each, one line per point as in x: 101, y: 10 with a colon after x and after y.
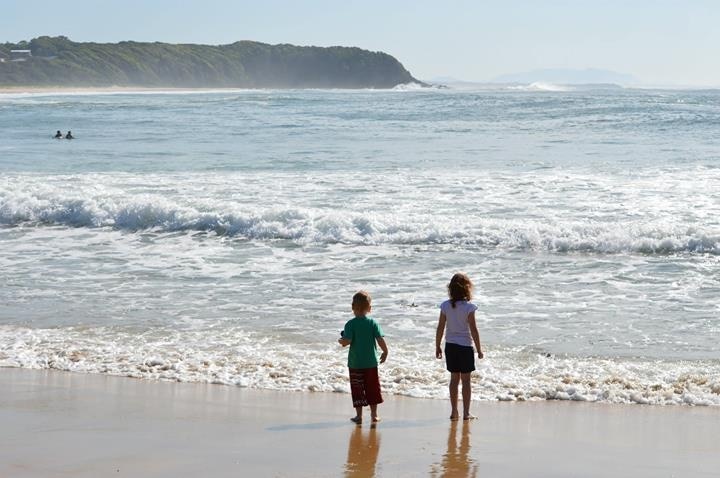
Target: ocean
x: 219, y: 236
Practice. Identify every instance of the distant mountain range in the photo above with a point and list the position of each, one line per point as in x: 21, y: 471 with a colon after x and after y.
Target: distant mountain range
x: 554, y: 76
x: 568, y: 77
x: 58, y: 61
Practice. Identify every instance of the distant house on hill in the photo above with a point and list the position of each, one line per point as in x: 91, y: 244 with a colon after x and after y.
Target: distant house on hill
x: 20, y: 55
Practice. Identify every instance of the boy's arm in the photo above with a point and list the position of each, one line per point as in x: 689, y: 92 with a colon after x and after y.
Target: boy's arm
x: 439, y: 335
x: 475, y: 334
x: 345, y: 336
x: 383, y: 346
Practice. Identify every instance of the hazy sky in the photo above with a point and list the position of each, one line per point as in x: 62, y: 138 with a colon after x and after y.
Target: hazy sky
x: 658, y: 41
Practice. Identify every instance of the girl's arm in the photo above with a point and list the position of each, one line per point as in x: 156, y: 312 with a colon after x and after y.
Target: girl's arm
x: 383, y: 346
x: 475, y: 334
x: 439, y: 335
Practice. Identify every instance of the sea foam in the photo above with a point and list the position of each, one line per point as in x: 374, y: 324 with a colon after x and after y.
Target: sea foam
x: 239, y: 358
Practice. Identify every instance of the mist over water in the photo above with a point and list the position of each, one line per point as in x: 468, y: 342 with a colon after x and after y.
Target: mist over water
x: 219, y: 236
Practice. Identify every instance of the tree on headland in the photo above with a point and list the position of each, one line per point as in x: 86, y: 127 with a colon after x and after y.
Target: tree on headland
x: 58, y: 61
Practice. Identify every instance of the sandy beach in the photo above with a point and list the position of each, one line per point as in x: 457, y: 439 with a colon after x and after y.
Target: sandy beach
x: 48, y: 90
x: 66, y: 424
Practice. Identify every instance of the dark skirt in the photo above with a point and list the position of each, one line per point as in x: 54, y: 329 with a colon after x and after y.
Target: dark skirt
x: 459, y: 358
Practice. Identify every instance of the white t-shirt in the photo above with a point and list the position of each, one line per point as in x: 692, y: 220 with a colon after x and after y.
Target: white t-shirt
x: 457, y: 330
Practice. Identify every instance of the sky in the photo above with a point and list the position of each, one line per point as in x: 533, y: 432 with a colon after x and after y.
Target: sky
x: 660, y: 42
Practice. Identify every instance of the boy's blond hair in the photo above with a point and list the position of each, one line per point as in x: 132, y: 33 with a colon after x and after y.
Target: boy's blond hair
x: 362, y: 299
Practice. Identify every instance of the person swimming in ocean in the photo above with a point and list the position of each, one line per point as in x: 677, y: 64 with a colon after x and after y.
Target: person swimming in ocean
x: 58, y: 135
x: 69, y: 135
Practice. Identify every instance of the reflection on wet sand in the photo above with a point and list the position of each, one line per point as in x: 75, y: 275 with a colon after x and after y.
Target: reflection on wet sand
x: 362, y: 453
x: 457, y: 462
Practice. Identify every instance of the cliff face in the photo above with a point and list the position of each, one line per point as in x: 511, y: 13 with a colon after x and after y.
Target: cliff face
x: 58, y: 61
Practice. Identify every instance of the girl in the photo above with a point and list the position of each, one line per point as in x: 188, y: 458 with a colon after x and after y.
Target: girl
x: 457, y: 322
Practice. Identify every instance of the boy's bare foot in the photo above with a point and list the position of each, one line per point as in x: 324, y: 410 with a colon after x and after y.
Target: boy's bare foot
x: 469, y: 417
x: 356, y: 420
x: 454, y: 417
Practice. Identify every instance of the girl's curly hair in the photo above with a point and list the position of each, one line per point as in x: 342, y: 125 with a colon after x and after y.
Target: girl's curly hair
x: 460, y: 288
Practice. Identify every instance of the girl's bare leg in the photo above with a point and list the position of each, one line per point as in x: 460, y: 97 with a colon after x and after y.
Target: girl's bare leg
x: 466, y: 394
x: 454, y: 382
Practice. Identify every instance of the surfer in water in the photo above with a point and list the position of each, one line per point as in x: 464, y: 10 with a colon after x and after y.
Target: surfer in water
x: 58, y: 135
x: 69, y: 135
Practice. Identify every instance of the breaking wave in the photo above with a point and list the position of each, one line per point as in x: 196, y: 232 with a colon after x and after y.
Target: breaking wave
x: 540, y: 86
x: 309, y: 226
x: 324, y: 226
x: 413, y: 87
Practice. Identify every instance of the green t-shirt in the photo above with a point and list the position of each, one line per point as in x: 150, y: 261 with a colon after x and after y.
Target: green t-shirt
x: 362, y: 332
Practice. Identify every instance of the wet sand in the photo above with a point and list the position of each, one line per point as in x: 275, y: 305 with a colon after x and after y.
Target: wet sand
x: 64, y: 424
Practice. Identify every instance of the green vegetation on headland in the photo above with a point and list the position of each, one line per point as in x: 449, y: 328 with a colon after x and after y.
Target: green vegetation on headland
x: 58, y: 61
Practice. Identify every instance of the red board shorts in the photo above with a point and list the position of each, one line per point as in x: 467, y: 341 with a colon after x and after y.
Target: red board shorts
x: 365, y: 386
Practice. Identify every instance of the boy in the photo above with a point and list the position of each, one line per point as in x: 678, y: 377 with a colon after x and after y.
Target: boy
x: 361, y: 333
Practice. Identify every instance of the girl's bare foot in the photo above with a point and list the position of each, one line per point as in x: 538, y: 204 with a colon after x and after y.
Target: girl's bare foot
x: 454, y: 417
x: 356, y: 420
x: 469, y: 417
x: 376, y: 419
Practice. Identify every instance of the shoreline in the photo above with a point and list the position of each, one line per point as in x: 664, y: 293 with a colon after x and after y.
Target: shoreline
x: 19, y: 90
x: 62, y: 423
x: 90, y: 90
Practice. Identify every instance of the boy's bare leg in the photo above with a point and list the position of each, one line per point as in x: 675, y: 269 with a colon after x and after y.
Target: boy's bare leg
x: 358, y: 415
x: 454, y: 382
x: 373, y: 413
x: 466, y: 394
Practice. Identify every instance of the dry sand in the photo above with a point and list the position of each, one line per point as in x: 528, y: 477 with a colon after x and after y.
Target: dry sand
x: 64, y: 424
